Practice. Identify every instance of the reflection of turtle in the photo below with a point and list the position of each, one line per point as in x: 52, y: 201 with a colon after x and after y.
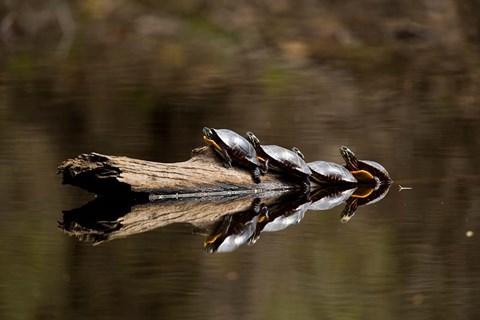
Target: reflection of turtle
x: 234, y: 230
x: 327, y: 198
x: 363, y: 197
x: 286, y: 211
x: 233, y: 147
x: 282, y: 160
x: 329, y: 173
x: 365, y: 171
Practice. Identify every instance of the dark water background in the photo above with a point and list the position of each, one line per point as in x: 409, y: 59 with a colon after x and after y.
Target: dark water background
x: 397, y: 82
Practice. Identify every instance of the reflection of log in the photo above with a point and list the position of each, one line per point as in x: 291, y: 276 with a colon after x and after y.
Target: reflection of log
x: 108, y: 219
x: 203, y: 173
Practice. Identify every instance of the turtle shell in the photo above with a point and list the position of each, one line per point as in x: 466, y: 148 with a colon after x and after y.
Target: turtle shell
x: 237, y: 146
x: 327, y: 199
x: 232, y: 232
x: 330, y: 173
x: 283, y: 221
x: 285, y: 160
x: 375, y: 168
x: 354, y: 202
x: 286, y: 210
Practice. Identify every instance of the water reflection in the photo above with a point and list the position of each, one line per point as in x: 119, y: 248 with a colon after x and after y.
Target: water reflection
x: 363, y: 197
x: 286, y: 211
x: 234, y: 230
x: 227, y: 222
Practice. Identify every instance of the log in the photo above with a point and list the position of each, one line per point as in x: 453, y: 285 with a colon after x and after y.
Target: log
x: 203, y: 174
x: 105, y: 219
x: 139, y: 196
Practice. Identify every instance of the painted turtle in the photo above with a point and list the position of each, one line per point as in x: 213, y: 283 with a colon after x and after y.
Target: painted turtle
x: 233, y: 147
x: 365, y: 171
x: 282, y: 159
x: 330, y: 197
x: 233, y: 231
x: 287, y: 210
x: 329, y: 173
x: 363, y: 198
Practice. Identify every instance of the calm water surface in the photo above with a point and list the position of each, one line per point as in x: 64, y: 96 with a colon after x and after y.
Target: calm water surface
x: 407, y: 256
x: 413, y: 255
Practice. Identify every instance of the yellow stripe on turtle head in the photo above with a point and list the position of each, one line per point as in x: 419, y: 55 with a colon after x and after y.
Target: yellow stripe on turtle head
x: 212, y: 142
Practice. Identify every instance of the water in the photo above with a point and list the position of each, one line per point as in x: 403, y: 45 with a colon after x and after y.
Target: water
x: 129, y: 88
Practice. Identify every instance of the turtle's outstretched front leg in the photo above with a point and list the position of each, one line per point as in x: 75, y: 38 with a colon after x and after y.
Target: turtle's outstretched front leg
x: 264, y: 167
x: 227, y: 161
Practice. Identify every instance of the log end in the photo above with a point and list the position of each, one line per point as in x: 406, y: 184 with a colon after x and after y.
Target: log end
x: 94, y: 173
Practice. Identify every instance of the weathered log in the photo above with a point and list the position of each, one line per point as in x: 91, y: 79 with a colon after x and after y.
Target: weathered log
x: 202, y: 175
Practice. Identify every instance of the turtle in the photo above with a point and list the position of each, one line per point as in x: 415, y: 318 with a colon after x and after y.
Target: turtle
x: 326, y: 198
x: 285, y: 211
x: 331, y: 174
x: 233, y: 231
x: 365, y: 171
x: 364, y: 197
x: 232, y: 147
x: 282, y: 160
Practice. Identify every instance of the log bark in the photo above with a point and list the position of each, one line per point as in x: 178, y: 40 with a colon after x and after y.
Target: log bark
x: 201, y: 175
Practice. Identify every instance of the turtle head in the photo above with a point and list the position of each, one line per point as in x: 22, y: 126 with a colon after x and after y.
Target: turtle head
x: 210, y: 137
x: 208, y: 133
x: 349, y: 211
x: 348, y: 156
x: 298, y: 152
x: 253, y: 139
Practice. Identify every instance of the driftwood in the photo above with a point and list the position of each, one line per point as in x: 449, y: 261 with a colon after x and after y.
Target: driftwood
x: 106, y: 218
x: 137, y: 196
x: 202, y: 175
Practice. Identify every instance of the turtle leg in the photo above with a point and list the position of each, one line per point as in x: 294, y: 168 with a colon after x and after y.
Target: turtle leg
x: 256, y: 205
x: 264, y: 168
x: 227, y: 161
x: 256, y: 175
x: 263, y: 211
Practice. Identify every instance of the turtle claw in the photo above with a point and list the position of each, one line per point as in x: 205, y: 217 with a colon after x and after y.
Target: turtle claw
x: 263, y: 171
x: 256, y: 205
x: 227, y: 164
x: 264, y: 168
x: 256, y: 175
